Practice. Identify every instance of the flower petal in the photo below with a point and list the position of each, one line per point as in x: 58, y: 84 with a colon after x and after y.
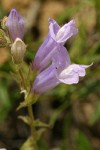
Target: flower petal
x: 45, y: 53
x: 66, y: 32
x: 61, y: 35
x: 45, y: 80
x: 53, y: 27
x: 70, y: 75
x: 61, y: 58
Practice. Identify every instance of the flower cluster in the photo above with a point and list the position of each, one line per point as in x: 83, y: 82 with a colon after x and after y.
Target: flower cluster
x: 52, y: 59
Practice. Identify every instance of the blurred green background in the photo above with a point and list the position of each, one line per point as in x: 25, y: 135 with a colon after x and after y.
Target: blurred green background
x: 73, y: 111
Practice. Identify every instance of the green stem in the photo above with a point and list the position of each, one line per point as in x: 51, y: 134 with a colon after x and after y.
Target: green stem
x: 23, y: 80
x: 30, y: 112
x: 33, y: 130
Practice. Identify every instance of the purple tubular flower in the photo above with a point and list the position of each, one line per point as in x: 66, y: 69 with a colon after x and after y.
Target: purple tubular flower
x: 60, y: 71
x: 15, y: 24
x: 55, y: 36
x: 65, y: 71
x: 46, y: 80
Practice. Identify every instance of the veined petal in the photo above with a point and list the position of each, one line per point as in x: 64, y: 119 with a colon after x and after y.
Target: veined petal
x: 53, y: 27
x: 61, y: 35
x: 46, y: 80
x: 45, y: 53
x: 61, y: 58
x: 66, y: 32
x: 15, y: 24
x: 71, y: 74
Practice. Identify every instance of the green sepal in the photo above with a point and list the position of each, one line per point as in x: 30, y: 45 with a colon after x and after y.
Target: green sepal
x: 9, y: 43
x: 3, y: 40
x: 3, y: 23
x: 2, y: 33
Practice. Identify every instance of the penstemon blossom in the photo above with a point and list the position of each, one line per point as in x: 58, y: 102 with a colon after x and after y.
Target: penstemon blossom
x: 60, y: 71
x: 51, y: 63
x: 56, y: 35
x: 52, y: 50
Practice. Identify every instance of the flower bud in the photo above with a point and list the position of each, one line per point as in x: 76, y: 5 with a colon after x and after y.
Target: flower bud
x: 18, y: 50
x: 15, y: 25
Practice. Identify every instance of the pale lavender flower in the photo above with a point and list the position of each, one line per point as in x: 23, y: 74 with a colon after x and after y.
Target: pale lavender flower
x: 46, y: 80
x: 55, y: 36
x: 60, y: 71
x: 65, y: 71
x: 15, y: 24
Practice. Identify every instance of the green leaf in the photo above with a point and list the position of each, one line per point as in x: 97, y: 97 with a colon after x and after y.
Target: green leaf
x: 38, y: 123
x: 25, y: 119
x: 21, y: 105
x: 25, y: 104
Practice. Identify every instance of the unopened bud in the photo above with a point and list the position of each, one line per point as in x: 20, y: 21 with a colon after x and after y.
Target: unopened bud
x: 15, y: 25
x: 18, y: 50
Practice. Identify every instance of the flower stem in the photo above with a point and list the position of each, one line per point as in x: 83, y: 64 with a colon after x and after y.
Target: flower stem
x: 30, y: 112
x: 22, y: 77
x: 33, y: 130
